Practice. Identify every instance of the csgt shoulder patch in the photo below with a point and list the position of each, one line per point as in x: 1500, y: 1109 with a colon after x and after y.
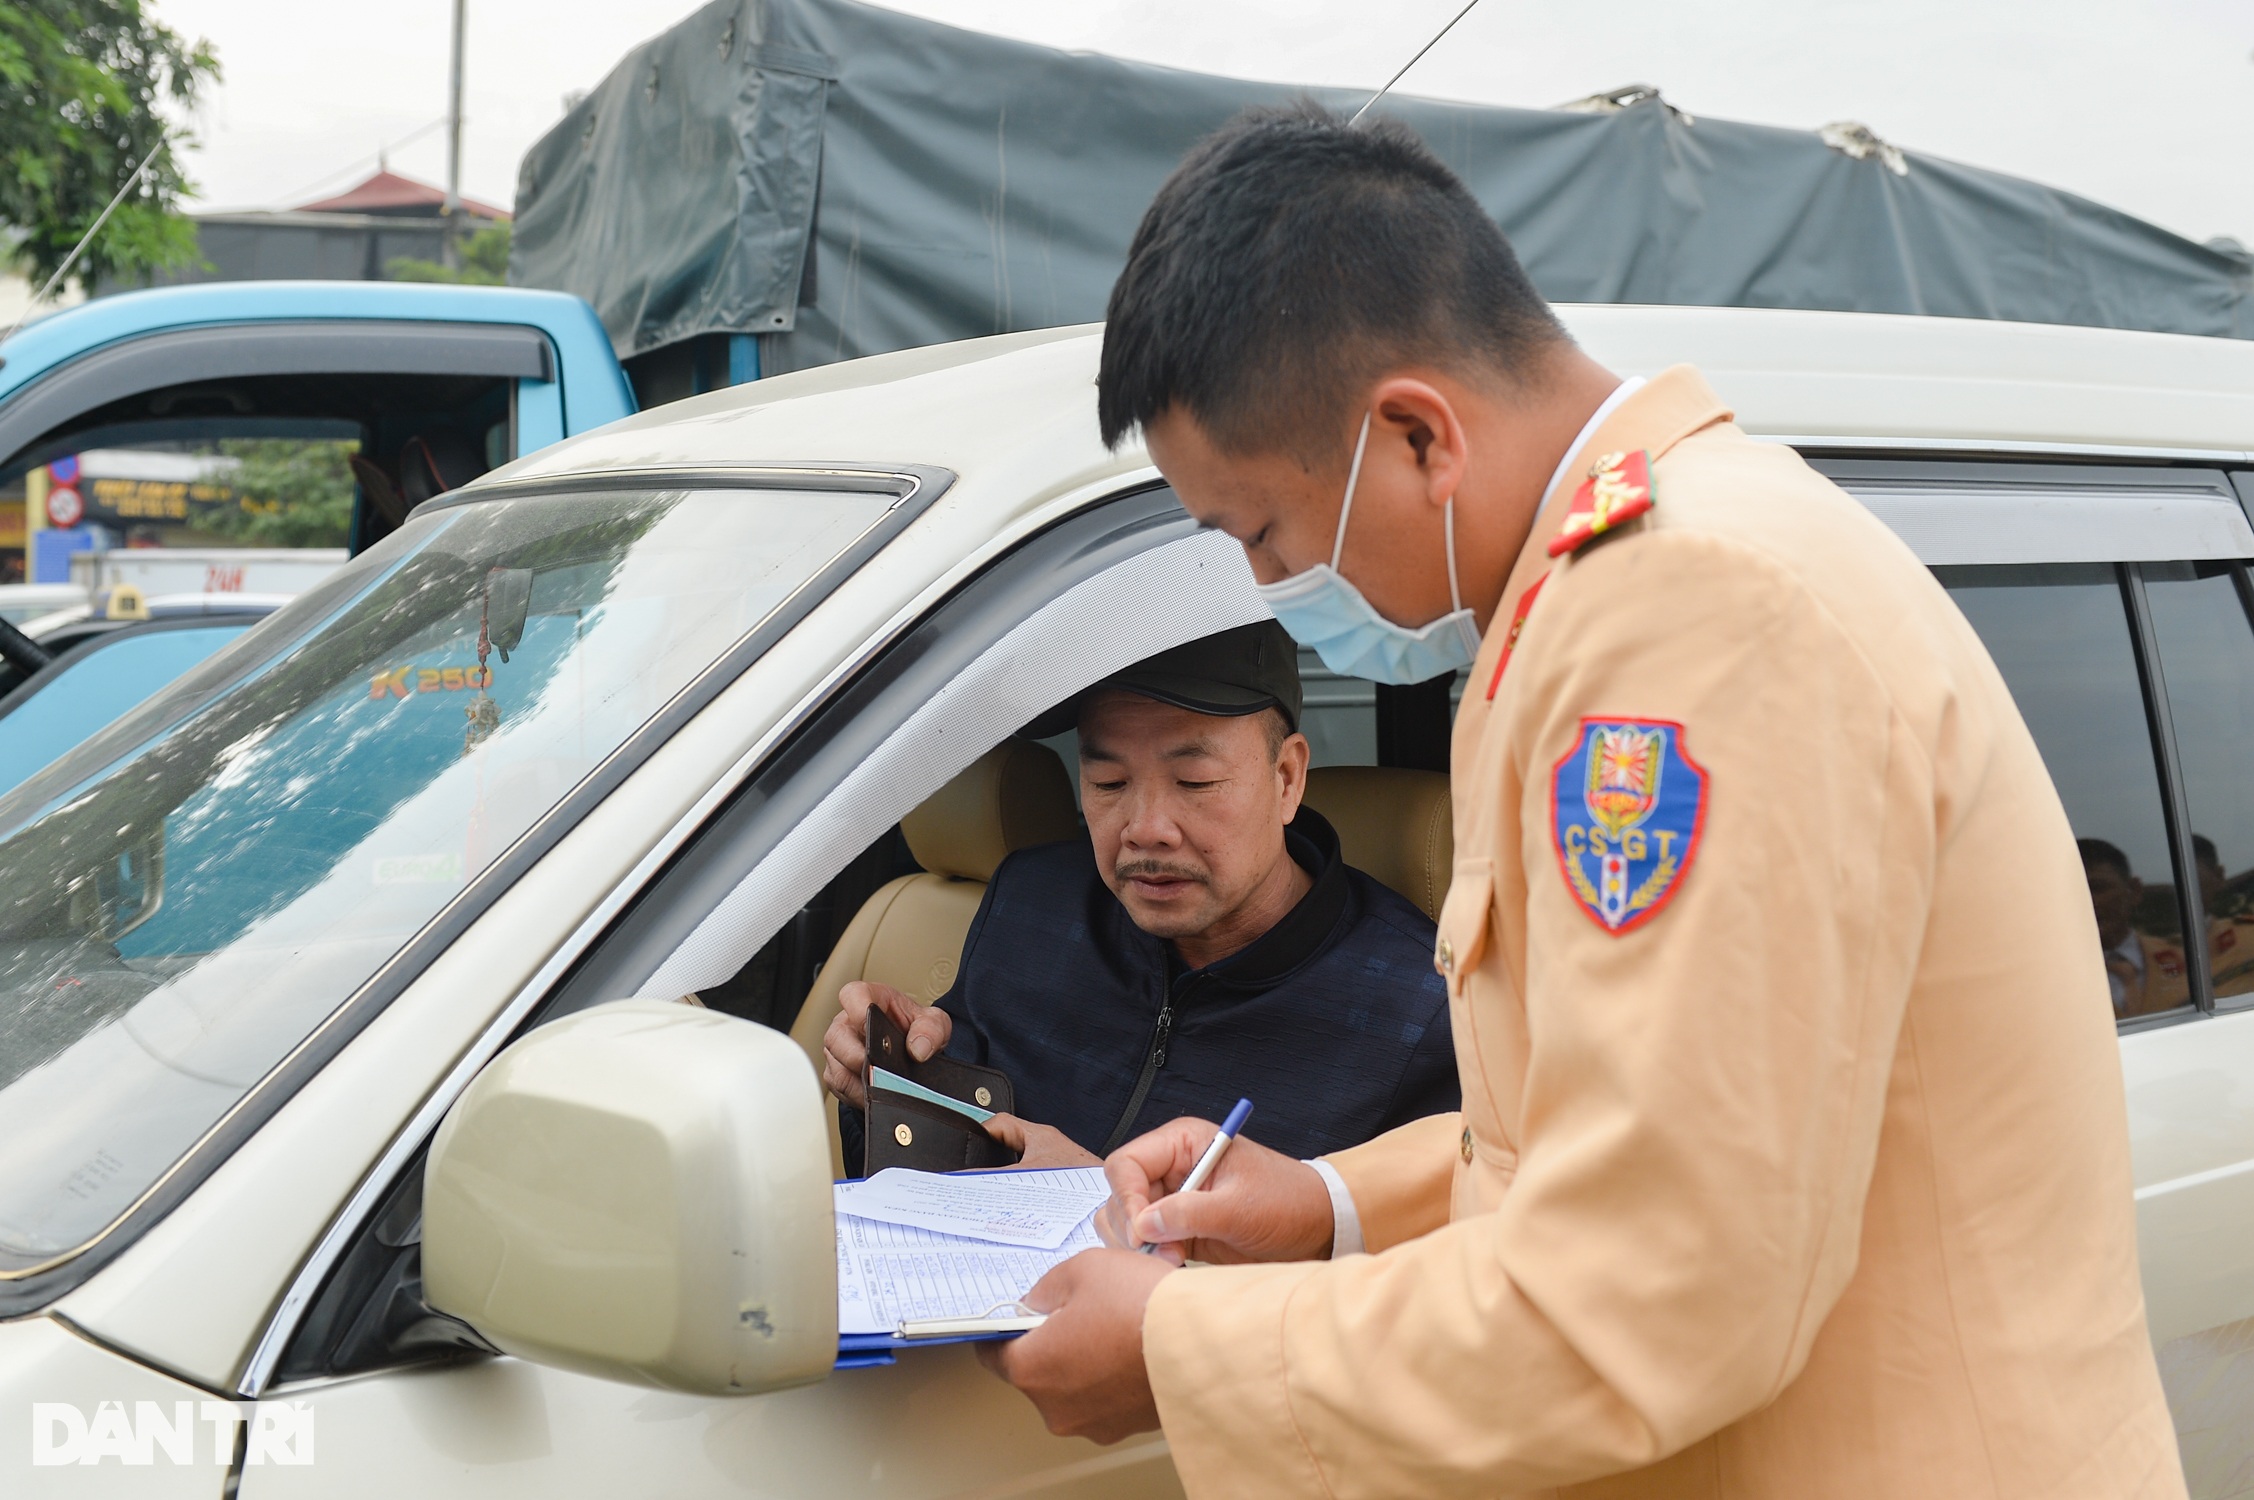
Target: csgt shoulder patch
x: 1627, y: 806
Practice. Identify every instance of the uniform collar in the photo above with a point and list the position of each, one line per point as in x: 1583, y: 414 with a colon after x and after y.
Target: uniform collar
x: 1581, y: 439
x: 1655, y: 416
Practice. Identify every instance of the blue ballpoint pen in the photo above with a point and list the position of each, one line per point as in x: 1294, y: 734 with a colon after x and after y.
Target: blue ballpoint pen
x: 1211, y: 1158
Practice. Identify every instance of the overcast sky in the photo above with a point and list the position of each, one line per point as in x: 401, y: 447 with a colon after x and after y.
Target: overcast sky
x: 2147, y: 106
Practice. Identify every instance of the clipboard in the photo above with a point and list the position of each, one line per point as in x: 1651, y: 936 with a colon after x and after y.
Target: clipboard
x: 1006, y: 1318
x: 858, y: 1351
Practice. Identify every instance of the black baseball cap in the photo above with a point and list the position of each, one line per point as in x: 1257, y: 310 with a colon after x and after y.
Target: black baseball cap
x: 1227, y: 674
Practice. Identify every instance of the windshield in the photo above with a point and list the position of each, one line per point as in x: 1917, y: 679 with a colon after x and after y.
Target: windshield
x: 190, y: 893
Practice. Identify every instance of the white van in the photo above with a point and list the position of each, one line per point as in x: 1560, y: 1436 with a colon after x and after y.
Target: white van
x: 641, y: 715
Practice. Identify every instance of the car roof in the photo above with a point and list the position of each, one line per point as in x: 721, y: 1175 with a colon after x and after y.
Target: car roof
x: 1024, y: 404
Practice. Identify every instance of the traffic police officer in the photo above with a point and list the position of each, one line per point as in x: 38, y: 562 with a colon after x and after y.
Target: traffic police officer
x: 1792, y: 1159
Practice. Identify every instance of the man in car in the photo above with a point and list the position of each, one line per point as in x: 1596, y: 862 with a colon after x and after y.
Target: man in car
x: 1793, y: 1158
x: 1204, y: 942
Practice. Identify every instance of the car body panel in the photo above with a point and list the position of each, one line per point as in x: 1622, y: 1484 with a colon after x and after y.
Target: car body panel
x: 1845, y: 378
x: 2191, y: 1133
x: 43, y: 1362
x: 933, y: 1425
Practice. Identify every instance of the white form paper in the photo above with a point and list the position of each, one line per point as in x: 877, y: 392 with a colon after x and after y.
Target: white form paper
x: 890, y: 1273
x: 1034, y: 1208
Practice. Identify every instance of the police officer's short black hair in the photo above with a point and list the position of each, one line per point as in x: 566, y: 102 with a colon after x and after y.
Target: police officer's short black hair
x: 1288, y: 262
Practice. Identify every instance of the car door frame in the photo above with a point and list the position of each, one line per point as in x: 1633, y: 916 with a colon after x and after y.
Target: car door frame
x: 741, y: 820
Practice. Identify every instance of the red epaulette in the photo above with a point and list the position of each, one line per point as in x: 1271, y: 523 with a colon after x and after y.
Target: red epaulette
x: 1618, y: 489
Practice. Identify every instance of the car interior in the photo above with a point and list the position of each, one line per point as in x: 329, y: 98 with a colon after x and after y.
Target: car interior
x: 399, y: 422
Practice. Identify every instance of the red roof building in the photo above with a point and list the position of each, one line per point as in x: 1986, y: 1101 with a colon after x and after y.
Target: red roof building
x: 389, y: 195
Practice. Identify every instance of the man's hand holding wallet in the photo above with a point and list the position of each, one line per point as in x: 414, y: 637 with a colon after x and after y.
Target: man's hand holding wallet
x: 845, y: 1068
x: 877, y: 1027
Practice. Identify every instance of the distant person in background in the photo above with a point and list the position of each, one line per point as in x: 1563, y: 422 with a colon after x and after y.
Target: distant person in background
x: 2147, y: 974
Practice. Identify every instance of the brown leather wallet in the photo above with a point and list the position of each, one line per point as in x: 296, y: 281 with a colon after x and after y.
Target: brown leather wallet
x: 905, y: 1131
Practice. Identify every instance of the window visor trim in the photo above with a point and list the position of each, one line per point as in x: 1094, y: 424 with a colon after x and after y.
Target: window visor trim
x: 235, y: 351
x: 1957, y: 514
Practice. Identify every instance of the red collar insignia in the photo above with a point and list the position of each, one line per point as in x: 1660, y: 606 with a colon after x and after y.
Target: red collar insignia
x: 1618, y: 489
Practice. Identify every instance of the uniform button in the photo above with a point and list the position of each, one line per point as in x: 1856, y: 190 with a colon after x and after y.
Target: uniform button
x: 984, y: 1096
x: 1447, y: 957
x: 1467, y: 1142
x: 907, y: 1137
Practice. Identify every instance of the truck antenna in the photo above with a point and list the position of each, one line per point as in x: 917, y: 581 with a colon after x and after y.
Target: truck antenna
x: 84, y: 240
x: 1412, y: 62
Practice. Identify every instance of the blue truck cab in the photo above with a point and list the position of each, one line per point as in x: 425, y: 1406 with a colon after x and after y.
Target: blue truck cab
x: 436, y: 383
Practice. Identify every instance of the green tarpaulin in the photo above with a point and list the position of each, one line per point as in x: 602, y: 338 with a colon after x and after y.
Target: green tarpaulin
x: 842, y: 180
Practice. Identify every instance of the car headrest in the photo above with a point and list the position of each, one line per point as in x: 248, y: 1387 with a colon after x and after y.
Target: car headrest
x: 1014, y: 796
x: 1395, y: 826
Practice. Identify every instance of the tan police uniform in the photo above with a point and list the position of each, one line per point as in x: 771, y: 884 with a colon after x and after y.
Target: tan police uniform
x: 1795, y: 1168
x: 2160, y: 982
x: 2230, y: 949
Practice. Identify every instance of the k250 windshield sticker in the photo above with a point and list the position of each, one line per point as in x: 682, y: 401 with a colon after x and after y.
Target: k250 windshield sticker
x: 405, y: 682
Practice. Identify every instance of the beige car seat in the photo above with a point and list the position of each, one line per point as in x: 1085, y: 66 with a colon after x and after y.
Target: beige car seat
x: 910, y: 933
x: 1393, y: 825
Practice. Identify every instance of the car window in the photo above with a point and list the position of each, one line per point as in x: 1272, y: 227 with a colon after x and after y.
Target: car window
x: 2060, y: 635
x: 89, y: 691
x: 1339, y: 717
x: 2200, y: 621
x: 210, y: 878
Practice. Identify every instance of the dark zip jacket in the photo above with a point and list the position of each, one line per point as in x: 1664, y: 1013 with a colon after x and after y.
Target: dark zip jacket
x: 1332, y: 1022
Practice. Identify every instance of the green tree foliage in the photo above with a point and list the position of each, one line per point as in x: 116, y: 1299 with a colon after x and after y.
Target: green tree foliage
x: 294, y: 493
x: 82, y: 87
x: 485, y: 261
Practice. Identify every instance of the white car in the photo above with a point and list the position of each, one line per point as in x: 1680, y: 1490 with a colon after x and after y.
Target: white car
x: 643, y: 714
x: 21, y: 603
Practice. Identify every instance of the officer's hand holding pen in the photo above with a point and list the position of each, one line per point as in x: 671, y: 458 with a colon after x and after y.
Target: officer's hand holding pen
x: 1259, y: 1205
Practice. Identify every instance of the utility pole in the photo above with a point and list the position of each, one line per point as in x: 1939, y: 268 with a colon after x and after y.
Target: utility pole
x: 453, y: 207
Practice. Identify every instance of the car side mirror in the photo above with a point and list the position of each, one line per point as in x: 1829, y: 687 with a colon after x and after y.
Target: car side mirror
x: 641, y: 1192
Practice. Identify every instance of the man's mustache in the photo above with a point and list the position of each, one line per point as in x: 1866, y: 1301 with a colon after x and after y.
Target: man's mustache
x: 1155, y: 869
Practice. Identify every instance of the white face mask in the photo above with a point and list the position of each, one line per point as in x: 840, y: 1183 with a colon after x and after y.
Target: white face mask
x: 1322, y: 610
